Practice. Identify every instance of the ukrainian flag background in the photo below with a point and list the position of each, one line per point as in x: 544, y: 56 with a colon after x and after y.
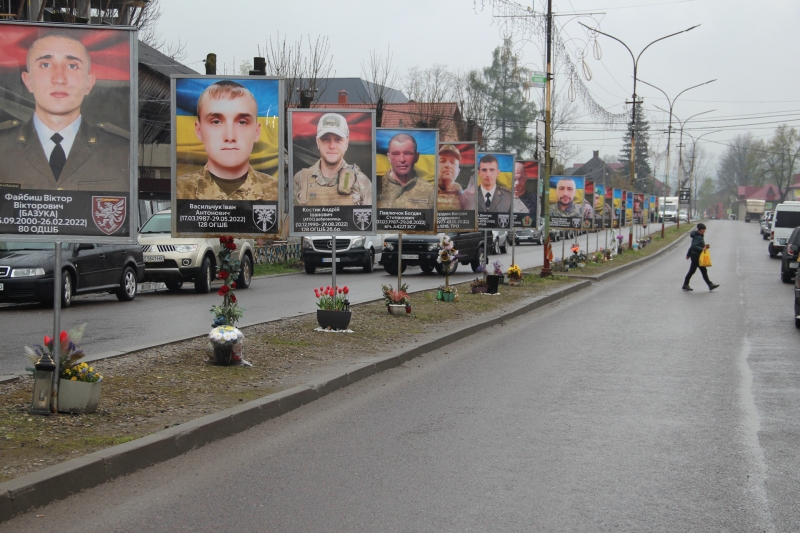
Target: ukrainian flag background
x: 191, y: 155
x: 580, y: 182
x: 617, y: 199
x: 426, y: 146
x: 505, y: 166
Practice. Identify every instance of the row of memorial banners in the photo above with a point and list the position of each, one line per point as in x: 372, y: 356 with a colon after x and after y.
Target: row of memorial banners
x: 78, y: 180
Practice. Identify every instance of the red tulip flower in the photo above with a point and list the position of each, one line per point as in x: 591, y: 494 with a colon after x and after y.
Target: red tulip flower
x: 346, y: 290
x: 63, y: 337
x: 47, y: 340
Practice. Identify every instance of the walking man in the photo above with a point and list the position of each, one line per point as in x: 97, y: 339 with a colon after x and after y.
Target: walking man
x: 697, y: 247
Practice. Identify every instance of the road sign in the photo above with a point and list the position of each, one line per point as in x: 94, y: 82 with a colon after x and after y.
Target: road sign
x: 684, y: 196
x: 539, y: 79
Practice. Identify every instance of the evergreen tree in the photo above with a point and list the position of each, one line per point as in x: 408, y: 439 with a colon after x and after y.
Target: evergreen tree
x: 502, y: 87
x: 642, y: 160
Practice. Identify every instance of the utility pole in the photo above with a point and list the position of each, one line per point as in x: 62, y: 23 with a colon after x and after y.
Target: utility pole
x: 547, y: 141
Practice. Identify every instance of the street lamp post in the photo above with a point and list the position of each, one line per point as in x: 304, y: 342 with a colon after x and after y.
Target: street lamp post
x: 691, y: 171
x: 633, y: 112
x: 669, y: 133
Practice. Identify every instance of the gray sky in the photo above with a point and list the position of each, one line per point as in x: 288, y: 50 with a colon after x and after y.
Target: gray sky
x: 751, y: 48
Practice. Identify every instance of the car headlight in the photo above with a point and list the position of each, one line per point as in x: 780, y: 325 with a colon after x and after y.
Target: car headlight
x: 307, y: 245
x: 27, y: 272
x: 358, y: 241
x: 388, y: 246
x: 185, y: 248
x: 433, y: 246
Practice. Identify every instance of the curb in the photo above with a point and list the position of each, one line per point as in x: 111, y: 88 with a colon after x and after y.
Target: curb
x: 627, y: 266
x: 60, y: 481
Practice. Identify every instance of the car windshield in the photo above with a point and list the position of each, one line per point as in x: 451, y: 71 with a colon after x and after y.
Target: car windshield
x: 13, y: 246
x: 158, y: 224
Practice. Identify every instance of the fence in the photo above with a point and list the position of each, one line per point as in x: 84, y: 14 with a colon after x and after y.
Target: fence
x: 277, y: 253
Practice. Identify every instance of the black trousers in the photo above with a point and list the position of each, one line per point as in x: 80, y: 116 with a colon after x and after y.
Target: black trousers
x: 692, y: 269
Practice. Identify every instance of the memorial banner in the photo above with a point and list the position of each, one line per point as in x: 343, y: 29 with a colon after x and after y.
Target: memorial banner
x: 588, y: 204
x: 566, y: 201
x: 638, y: 208
x: 619, y: 219
x: 494, y: 191
x: 68, y: 133
x: 332, y: 164
x: 526, y: 197
x: 602, y: 214
x: 628, y: 208
x: 456, y: 206
x: 227, y: 161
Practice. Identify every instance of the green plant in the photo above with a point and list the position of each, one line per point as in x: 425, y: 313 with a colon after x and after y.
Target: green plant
x: 332, y: 298
x: 69, y: 356
x: 396, y: 297
x: 229, y: 312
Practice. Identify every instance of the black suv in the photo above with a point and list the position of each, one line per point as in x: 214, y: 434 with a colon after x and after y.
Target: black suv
x: 790, y: 256
x: 423, y: 250
x: 26, y: 271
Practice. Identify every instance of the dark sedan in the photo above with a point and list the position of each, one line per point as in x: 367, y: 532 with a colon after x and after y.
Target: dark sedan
x: 26, y: 271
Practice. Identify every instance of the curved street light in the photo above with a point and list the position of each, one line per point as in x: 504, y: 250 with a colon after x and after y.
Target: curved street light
x: 691, y: 171
x: 633, y: 113
x: 669, y: 132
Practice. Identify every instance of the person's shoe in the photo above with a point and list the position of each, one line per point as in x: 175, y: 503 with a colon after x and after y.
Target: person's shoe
x: 686, y: 287
x: 712, y: 286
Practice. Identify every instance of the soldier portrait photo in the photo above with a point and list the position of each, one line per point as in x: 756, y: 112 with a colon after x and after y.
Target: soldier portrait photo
x: 567, y: 201
x: 332, y: 169
x: 227, y: 125
x: 65, y: 108
x: 226, y: 139
x: 330, y: 180
x: 493, y: 196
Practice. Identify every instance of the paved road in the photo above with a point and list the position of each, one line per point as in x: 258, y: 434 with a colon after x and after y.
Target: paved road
x: 655, y: 410
x: 162, y: 316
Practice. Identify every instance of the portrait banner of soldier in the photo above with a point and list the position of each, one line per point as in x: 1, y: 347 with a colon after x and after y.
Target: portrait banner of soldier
x: 600, y: 211
x: 608, y: 208
x: 406, y: 166
x: 526, y: 188
x: 566, y: 201
x: 456, y: 209
x: 588, y: 204
x: 628, y: 208
x: 653, y: 208
x: 646, y: 210
x: 619, y: 219
x: 227, y: 161
x: 638, y: 208
x: 332, y: 169
x: 494, y: 190
x: 68, y: 133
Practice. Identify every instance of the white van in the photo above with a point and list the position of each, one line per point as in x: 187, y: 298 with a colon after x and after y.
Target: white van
x: 787, y: 217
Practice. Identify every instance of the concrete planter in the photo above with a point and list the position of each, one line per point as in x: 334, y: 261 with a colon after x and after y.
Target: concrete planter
x: 78, y: 396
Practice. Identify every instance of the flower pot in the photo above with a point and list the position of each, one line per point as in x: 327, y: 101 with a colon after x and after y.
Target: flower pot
x: 476, y: 290
x: 397, y: 309
x: 493, y: 282
x: 449, y: 296
x: 333, y: 319
x: 78, y: 396
x: 440, y: 295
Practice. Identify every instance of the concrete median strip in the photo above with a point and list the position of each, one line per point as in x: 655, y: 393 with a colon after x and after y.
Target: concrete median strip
x: 59, y: 481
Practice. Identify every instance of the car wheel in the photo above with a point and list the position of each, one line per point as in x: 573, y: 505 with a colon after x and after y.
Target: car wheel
x: 772, y: 251
x: 516, y: 242
x: 765, y: 236
x: 504, y: 247
x: 245, y: 273
x: 173, y: 286
x: 310, y: 269
x: 202, y: 283
x: 480, y: 258
x: 128, y: 286
x: 369, y: 265
x: 66, y: 289
x: 797, y: 322
x: 390, y: 268
x: 451, y: 270
x: 786, y: 277
x: 426, y: 268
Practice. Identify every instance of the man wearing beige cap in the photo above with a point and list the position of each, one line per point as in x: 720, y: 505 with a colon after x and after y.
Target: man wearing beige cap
x: 331, y: 181
x: 450, y: 196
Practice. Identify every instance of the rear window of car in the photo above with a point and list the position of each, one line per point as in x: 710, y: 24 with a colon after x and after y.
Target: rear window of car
x: 787, y: 219
x: 158, y: 224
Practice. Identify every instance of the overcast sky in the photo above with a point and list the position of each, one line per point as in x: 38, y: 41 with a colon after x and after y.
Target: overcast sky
x: 751, y: 47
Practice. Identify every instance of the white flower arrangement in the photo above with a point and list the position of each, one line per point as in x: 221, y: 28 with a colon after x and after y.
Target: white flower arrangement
x: 225, y: 336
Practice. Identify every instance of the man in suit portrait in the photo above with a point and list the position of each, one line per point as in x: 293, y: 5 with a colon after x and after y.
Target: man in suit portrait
x: 57, y: 148
x: 492, y: 198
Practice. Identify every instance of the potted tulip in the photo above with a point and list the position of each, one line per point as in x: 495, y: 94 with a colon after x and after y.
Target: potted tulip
x: 334, y: 307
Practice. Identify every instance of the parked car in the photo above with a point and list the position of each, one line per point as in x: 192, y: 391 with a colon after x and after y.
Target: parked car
x: 532, y: 235
x: 797, y: 302
x: 789, y: 257
x: 351, y: 251
x: 499, y: 242
x: 683, y: 216
x: 423, y: 250
x: 26, y: 271
x: 766, y: 224
x: 187, y: 259
x: 787, y: 218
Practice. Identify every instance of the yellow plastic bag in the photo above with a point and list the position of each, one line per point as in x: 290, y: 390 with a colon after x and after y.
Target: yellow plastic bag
x: 705, y: 259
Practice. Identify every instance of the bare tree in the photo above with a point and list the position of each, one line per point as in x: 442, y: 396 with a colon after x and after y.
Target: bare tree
x: 305, y: 72
x: 473, y: 104
x: 781, y: 158
x: 563, y: 115
x: 245, y: 67
x: 380, y: 75
x: 146, y: 19
x: 429, y: 88
x: 741, y: 164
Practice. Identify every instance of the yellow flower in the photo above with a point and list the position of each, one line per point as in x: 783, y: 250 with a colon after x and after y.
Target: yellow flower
x: 73, y: 379
x: 91, y: 369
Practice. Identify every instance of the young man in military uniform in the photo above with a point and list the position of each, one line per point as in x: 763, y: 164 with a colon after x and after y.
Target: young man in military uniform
x: 56, y: 148
x: 401, y: 188
x: 492, y: 197
x: 227, y: 124
x: 331, y: 181
x: 450, y: 196
x: 565, y: 195
x: 524, y: 202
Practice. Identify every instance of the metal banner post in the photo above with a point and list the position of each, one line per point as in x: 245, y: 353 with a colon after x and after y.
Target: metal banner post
x: 333, y: 261
x: 56, y: 356
x: 399, y: 259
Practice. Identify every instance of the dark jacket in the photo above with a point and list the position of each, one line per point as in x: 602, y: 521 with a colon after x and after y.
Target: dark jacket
x: 698, y: 244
